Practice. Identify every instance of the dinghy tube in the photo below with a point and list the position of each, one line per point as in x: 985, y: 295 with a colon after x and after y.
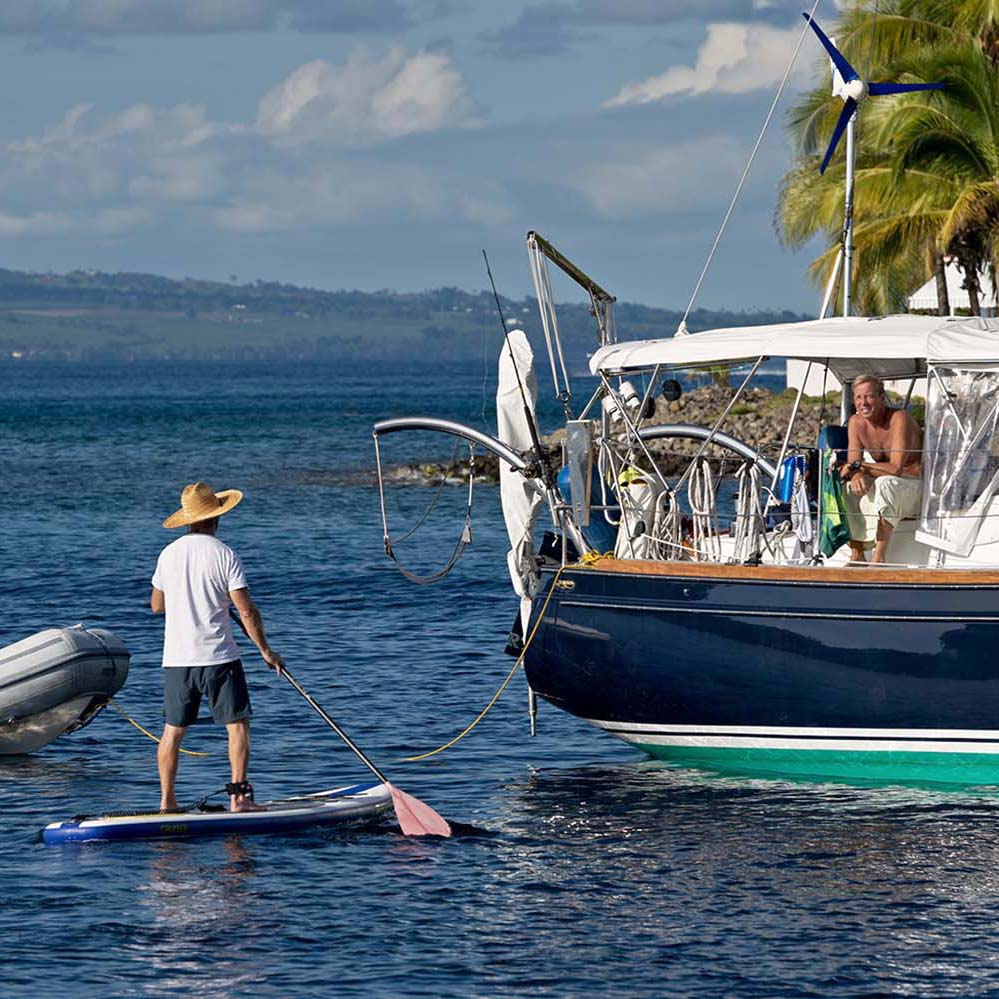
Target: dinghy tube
x: 56, y: 681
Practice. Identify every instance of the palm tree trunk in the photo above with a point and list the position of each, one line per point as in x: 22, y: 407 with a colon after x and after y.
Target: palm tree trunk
x: 972, y: 284
x: 943, y: 299
x: 968, y: 262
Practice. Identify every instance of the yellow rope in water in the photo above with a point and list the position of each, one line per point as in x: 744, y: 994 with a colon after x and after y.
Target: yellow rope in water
x: 131, y: 721
x: 523, y: 652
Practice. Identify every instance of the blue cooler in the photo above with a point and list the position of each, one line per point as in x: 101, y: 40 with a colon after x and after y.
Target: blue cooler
x: 791, y: 468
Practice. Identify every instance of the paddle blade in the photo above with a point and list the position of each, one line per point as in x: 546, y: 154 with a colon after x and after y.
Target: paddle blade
x: 844, y: 119
x: 415, y: 817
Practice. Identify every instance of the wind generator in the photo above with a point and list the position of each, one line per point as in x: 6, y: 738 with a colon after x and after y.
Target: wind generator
x: 848, y: 85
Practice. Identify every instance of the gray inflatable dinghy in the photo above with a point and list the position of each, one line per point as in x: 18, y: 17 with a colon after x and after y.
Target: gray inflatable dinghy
x: 56, y: 681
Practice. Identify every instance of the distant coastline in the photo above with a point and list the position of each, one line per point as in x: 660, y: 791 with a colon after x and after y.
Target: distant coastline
x: 93, y: 316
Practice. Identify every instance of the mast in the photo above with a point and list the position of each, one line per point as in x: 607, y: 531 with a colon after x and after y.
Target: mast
x: 846, y: 398
x: 848, y: 213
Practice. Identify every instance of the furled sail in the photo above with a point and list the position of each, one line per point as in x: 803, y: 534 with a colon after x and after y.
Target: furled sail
x: 521, y: 498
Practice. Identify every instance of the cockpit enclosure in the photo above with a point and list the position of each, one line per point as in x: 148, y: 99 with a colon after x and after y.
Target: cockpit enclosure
x: 961, y: 459
x: 760, y: 514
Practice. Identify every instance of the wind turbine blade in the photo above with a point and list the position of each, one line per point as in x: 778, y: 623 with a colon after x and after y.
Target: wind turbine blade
x: 849, y: 106
x: 845, y: 69
x: 878, y: 89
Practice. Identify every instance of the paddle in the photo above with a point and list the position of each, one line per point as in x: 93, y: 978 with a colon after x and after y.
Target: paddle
x: 415, y: 817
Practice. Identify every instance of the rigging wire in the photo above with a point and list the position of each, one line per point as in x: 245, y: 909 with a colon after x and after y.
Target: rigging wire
x: 549, y: 324
x: 464, y: 539
x: 437, y: 495
x: 682, y: 328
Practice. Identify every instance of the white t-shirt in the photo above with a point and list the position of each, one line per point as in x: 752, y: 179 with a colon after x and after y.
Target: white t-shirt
x: 196, y: 573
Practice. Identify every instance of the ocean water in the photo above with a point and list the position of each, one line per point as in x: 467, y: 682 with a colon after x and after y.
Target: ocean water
x: 582, y: 868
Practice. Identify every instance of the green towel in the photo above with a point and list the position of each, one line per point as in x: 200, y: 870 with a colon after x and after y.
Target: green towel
x: 833, y: 529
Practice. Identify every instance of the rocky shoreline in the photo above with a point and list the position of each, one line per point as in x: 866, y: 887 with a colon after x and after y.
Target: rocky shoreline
x: 759, y: 419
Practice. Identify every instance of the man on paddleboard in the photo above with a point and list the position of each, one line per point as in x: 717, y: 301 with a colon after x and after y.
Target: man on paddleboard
x: 197, y: 579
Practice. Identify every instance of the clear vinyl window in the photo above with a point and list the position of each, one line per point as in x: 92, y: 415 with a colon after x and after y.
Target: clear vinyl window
x: 961, y: 459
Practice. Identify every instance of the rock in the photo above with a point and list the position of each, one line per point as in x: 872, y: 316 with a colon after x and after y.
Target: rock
x: 759, y: 418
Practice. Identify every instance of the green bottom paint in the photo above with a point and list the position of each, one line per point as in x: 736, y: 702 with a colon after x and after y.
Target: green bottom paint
x: 967, y: 769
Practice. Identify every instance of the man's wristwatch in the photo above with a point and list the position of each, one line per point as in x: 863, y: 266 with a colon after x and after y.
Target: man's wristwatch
x: 852, y: 469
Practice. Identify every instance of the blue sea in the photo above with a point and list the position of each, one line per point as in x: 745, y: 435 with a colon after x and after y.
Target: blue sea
x: 582, y: 868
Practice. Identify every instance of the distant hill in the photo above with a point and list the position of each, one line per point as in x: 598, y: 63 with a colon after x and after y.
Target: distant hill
x: 89, y: 315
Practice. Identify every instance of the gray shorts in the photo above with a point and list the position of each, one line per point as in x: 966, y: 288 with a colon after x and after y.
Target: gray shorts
x: 223, y: 685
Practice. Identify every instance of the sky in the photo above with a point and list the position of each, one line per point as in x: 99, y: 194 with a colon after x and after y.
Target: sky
x: 383, y: 144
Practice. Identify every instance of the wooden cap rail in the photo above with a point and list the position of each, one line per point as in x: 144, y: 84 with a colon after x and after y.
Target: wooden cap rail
x: 865, y: 575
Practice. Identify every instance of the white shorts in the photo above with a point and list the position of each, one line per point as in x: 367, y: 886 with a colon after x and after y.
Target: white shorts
x: 891, y: 498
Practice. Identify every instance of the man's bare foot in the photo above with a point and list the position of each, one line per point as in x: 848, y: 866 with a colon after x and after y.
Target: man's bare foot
x: 244, y: 803
x: 169, y: 805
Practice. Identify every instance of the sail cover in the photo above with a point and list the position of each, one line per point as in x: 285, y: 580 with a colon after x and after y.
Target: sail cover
x: 520, y: 497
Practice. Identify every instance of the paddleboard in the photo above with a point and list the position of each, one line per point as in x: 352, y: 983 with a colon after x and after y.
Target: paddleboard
x: 345, y: 805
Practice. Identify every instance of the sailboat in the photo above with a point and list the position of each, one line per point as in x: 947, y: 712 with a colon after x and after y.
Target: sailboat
x: 746, y: 648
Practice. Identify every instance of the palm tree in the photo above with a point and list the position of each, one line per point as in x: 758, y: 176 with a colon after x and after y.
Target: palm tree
x: 953, y: 139
x: 917, y: 196
x: 895, y: 227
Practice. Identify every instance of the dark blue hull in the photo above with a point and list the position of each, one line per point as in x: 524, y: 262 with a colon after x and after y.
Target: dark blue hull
x: 731, y: 657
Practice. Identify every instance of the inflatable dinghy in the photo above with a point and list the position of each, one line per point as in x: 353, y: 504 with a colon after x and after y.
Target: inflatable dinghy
x: 360, y: 803
x: 56, y: 681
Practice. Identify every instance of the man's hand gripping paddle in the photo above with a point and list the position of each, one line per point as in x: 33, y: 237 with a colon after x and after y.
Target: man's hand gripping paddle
x: 415, y: 817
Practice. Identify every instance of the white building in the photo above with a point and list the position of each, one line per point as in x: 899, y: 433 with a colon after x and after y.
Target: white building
x: 925, y: 299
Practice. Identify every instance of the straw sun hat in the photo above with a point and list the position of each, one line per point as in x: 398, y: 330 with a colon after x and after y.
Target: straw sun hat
x: 200, y: 502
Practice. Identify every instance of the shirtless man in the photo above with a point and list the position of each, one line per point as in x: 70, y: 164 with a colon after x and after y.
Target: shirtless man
x: 882, y: 492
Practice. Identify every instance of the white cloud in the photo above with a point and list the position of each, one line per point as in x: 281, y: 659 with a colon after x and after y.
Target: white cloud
x: 39, y: 223
x: 681, y: 178
x: 104, y: 221
x: 179, y: 178
x: 366, y: 100
x: 81, y: 128
x: 145, y: 166
x: 733, y: 59
x: 353, y: 193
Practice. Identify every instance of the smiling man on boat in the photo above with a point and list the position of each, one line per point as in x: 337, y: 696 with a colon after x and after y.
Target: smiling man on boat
x: 197, y: 579
x: 883, y: 470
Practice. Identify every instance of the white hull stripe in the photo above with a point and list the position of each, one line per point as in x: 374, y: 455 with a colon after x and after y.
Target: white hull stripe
x: 837, y: 739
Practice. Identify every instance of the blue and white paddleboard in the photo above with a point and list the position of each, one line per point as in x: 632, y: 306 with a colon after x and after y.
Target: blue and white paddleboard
x: 344, y: 805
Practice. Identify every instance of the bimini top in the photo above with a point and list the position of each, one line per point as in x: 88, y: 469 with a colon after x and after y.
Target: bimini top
x: 891, y: 347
